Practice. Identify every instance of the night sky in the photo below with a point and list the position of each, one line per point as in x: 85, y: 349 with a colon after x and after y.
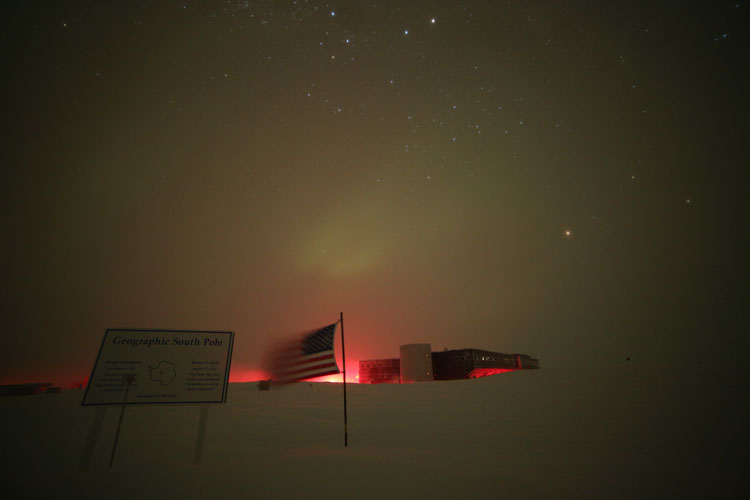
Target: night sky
x: 563, y: 179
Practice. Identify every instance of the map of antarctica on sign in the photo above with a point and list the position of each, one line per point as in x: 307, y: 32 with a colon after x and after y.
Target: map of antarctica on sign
x: 164, y: 372
x: 167, y: 366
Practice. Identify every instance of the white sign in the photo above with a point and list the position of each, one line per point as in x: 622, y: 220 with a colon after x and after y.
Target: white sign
x: 166, y: 366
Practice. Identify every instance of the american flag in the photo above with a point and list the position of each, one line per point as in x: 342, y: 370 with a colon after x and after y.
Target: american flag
x: 312, y: 356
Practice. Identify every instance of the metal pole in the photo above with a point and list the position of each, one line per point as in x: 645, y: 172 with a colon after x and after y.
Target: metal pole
x: 343, y: 361
x: 96, y: 428
x: 201, y: 434
x: 128, y: 380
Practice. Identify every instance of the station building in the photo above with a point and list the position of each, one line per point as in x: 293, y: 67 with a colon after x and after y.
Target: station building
x: 418, y: 363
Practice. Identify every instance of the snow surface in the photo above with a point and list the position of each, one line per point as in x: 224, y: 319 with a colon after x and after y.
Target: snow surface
x: 531, y: 434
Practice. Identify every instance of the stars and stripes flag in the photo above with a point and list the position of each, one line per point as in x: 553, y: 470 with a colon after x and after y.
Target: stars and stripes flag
x: 308, y: 357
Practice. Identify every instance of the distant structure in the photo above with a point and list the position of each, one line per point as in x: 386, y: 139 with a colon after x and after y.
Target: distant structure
x: 27, y: 389
x: 380, y: 371
x: 415, y: 363
x: 418, y: 363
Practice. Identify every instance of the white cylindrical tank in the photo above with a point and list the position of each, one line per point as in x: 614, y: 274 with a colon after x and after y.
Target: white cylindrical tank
x: 416, y: 363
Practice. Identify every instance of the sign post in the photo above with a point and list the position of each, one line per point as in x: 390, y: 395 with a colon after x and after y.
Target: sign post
x: 160, y: 367
x: 93, y: 437
x: 201, y: 434
x: 129, y: 379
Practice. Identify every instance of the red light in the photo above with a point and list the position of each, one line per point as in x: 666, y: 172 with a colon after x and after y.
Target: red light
x: 485, y: 372
x: 352, y: 375
x: 335, y: 379
x: 253, y: 375
x: 76, y: 383
x: 247, y: 375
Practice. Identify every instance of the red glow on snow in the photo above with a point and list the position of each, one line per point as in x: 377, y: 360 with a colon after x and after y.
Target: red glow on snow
x: 74, y: 383
x: 352, y: 375
x: 485, y: 372
x: 335, y: 378
x: 247, y: 375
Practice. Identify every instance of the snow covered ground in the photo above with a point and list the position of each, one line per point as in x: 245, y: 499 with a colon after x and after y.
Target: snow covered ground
x: 591, y: 433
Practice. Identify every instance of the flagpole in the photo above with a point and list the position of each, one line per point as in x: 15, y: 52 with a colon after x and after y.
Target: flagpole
x: 343, y: 361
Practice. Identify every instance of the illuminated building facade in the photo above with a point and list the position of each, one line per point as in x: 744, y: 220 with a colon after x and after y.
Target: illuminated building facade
x: 380, y: 371
x: 445, y: 365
